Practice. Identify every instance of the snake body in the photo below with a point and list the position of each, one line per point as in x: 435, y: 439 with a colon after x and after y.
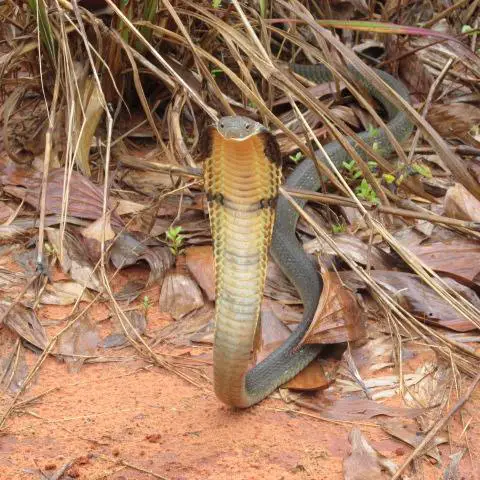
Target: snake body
x: 242, y: 176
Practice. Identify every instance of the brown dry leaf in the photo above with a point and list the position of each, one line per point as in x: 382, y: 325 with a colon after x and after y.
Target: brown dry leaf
x: 196, y: 327
x: 356, y: 250
x: 128, y: 207
x: 278, y: 287
x: 412, y: 70
x: 339, y: 317
x: 458, y: 257
x: 455, y: 120
x: 78, y: 343
x: 145, y: 221
x: 24, y: 321
x: 5, y: 212
x: 419, y: 298
x: 365, y: 462
x: 410, y: 435
x: 85, y: 199
x: 180, y: 295
x: 138, y: 323
x: 201, y: 265
x: 351, y: 410
x: 87, y: 118
x: 452, y: 470
x: 74, y: 260
x: 13, y: 369
x: 460, y: 203
x: 10, y: 279
x: 64, y: 293
x: 147, y: 182
x: 99, y: 229
x: 127, y: 251
x: 310, y: 378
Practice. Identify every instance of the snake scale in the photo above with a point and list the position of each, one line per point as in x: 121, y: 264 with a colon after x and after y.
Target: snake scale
x: 242, y: 175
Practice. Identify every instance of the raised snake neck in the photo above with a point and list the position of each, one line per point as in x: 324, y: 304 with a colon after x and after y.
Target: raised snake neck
x: 236, y: 316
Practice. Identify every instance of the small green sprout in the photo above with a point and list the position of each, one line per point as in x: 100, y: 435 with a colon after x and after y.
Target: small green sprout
x: 422, y: 170
x: 338, y: 228
x: 216, y: 3
x: 296, y: 158
x: 389, y: 178
x: 373, y: 131
x: 175, y: 240
x: 216, y: 72
x: 366, y: 192
x: 146, y: 303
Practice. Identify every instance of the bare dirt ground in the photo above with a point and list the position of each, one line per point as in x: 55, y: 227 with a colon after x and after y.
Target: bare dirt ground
x: 130, y: 420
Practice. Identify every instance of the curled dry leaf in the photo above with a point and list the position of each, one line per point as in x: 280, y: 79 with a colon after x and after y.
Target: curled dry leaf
x: 74, y: 259
x: 127, y: 251
x: 180, y: 295
x: 339, y: 317
x: 78, y: 343
x: 460, y: 203
x: 201, y: 265
x: 365, y: 462
x: 419, y: 298
x: 136, y: 325
x: 25, y: 323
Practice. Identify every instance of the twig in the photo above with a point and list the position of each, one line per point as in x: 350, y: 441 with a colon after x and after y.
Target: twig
x: 401, y: 212
x: 441, y: 423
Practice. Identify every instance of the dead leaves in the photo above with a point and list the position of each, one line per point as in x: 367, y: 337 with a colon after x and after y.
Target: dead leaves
x: 421, y: 300
x: 180, y: 294
x: 365, y: 462
x: 460, y: 203
x: 455, y: 120
x: 25, y: 323
x: 339, y: 317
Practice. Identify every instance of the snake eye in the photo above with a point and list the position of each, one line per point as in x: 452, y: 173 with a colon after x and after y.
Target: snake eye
x: 222, y: 125
x: 247, y: 126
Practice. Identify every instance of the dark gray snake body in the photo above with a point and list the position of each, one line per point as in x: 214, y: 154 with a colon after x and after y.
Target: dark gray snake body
x: 234, y: 383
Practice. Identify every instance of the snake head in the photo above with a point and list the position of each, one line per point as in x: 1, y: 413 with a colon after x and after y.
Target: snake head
x: 239, y: 128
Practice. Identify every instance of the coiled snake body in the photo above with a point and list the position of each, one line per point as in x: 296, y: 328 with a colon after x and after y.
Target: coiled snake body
x: 242, y: 176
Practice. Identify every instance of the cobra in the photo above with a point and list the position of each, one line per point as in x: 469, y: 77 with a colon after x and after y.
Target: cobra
x: 242, y: 176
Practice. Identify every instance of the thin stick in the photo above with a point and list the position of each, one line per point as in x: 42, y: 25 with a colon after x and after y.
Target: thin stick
x: 401, y: 212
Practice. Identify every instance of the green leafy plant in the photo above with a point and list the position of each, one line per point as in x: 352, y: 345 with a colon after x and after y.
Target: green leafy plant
x: 216, y: 72
x: 216, y: 3
x: 146, y: 303
x: 175, y: 240
x: 296, y: 158
x: 338, y: 228
x: 366, y: 192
